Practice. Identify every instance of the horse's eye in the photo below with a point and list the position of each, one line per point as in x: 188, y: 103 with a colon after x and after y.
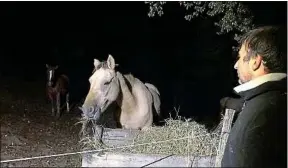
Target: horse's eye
x: 106, y: 83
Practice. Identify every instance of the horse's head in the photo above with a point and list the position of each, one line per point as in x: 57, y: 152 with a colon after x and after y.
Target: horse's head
x: 104, y: 88
x: 50, y: 74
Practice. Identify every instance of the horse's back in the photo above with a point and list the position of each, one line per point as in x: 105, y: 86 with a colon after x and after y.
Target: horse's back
x: 64, y: 78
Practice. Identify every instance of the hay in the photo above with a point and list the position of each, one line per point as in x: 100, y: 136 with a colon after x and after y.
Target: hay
x: 199, y: 143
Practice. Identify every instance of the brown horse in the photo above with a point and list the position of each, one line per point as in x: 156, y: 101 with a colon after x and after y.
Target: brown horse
x: 57, y: 90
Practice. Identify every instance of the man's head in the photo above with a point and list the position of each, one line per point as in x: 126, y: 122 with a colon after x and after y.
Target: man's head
x: 263, y: 50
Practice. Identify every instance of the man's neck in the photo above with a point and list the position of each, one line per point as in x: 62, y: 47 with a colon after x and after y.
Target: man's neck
x: 259, y: 81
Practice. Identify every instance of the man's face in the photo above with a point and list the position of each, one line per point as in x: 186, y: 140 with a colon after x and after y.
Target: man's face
x: 242, y: 66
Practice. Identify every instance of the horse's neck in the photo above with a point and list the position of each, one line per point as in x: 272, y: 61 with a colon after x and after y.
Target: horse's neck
x: 128, y: 99
x: 58, y: 79
x: 54, y: 87
x: 51, y: 88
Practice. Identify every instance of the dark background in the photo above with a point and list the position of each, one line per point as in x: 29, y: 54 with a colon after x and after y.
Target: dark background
x: 191, y: 66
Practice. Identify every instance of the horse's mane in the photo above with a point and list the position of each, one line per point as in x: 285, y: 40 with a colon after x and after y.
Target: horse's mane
x: 130, y: 78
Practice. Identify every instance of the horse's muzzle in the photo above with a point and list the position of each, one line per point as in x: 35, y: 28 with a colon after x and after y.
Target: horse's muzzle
x: 96, y: 113
x: 91, y: 113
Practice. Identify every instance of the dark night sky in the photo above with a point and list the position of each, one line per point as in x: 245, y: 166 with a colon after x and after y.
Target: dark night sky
x: 175, y: 55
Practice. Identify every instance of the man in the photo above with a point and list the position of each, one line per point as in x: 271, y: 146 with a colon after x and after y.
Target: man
x: 258, y: 136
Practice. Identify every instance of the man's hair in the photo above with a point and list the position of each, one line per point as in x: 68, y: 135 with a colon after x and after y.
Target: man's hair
x: 270, y: 42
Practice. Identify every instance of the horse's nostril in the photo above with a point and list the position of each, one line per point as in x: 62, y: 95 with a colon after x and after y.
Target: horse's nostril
x: 91, y: 109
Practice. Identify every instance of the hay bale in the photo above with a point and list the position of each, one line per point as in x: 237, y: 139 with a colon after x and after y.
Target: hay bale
x: 179, y: 136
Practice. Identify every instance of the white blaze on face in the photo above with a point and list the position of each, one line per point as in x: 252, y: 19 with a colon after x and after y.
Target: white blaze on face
x: 50, y: 75
x: 94, y: 90
x: 97, y: 78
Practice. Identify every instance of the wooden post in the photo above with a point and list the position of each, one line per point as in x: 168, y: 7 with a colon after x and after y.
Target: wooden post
x: 227, y: 122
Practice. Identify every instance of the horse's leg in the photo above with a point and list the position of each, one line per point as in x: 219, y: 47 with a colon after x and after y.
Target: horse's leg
x: 52, y: 104
x: 67, y: 102
x: 58, y: 105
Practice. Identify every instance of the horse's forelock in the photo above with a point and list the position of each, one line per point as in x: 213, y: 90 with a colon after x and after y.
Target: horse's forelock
x: 101, y: 65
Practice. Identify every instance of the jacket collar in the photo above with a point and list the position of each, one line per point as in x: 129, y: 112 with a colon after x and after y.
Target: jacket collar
x: 271, y: 81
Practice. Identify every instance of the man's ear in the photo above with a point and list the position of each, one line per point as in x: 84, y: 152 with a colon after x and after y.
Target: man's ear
x: 256, y: 62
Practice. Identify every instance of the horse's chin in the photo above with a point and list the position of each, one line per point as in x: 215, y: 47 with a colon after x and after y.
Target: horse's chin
x: 104, y: 107
x: 96, y: 115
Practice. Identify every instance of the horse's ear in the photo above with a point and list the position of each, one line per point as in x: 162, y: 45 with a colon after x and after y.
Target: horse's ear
x: 96, y: 63
x: 47, y: 66
x: 111, y: 62
x: 56, y: 67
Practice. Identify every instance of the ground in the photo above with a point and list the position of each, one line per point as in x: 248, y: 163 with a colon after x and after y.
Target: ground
x: 29, y: 130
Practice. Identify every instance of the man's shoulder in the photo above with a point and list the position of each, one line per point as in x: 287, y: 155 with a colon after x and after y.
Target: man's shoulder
x: 272, y: 97
x: 270, y: 92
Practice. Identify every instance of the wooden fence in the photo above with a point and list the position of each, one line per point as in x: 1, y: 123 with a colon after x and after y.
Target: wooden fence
x: 122, y: 137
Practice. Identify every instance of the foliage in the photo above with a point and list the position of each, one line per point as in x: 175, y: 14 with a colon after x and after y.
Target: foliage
x: 230, y: 16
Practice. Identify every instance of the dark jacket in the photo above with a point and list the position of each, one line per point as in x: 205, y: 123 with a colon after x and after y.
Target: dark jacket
x: 258, y: 136
x: 232, y: 103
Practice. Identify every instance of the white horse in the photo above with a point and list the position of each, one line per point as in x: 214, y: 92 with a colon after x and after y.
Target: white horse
x: 137, y: 103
